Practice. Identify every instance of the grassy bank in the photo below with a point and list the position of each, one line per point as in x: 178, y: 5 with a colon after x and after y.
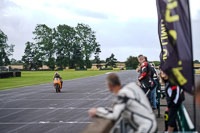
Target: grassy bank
x: 40, y: 77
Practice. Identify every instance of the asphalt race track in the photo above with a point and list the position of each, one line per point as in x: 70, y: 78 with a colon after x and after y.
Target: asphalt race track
x: 190, y: 106
x: 39, y: 109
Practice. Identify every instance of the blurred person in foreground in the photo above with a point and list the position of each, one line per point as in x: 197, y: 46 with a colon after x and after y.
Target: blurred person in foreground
x: 132, y: 104
x: 175, y: 97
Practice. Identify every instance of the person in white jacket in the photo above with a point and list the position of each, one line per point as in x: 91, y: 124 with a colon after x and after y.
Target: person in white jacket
x: 132, y: 104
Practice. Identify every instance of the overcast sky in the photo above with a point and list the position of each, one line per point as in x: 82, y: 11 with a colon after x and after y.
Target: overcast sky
x: 123, y: 27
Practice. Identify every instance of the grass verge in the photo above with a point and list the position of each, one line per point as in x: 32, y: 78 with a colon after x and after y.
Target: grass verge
x: 40, y: 77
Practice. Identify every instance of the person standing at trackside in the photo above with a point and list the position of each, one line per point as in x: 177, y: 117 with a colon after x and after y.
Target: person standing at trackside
x: 154, y: 77
x: 144, y: 78
x: 132, y: 104
x: 175, y: 97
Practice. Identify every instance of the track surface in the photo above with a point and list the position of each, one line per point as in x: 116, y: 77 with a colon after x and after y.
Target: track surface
x: 38, y: 109
x: 190, y: 106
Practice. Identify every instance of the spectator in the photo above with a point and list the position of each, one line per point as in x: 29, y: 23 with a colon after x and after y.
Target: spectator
x: 154, y: 77
x: 175, y: 97
x: 144, y: 78
x: 131, y: 104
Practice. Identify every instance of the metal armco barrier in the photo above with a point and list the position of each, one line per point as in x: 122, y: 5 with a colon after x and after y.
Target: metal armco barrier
x: 184, y: 121
x: 159, y: 93
x: 99, y: 125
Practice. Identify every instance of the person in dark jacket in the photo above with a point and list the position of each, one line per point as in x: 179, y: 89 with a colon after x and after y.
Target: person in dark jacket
x: 175, y: 97
x: 144, y: 77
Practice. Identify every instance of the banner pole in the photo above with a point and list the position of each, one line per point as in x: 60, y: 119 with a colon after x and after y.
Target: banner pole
x: 193, y: 78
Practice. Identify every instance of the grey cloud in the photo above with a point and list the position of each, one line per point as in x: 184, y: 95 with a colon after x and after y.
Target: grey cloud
x: 4, y: 4
x: 91, y: 14
x: 126, y: 38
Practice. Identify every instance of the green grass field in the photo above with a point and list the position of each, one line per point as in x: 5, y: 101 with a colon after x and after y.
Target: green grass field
x: 29, y: 78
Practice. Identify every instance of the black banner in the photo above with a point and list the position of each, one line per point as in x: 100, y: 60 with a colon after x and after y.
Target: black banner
x: 174, y: 29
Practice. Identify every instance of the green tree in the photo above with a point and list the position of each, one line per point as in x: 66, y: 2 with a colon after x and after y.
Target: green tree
x: 157, y: 63
x: 87, y: 41
x: 16, y: 62
x: 65, y: 40
x: 96, y: 57
x: 44, y: 38
x: 196, y: 62
x: 111, y: 61
x: 32, y: 58
x: 13, y: 61
x: 132, y: 62
x: 5, y: 49
x: 77, y: 58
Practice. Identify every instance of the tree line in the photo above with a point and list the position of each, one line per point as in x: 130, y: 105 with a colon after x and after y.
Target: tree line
x: 63, y: 46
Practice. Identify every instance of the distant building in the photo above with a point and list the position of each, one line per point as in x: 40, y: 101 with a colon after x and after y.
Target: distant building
x: 103, y: 65
x: 16, y: 66
x: 196, y: 66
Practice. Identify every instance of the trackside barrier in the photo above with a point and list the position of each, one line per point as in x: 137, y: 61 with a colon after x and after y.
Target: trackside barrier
x: 197, y: 71
x: 184, y: 121
x: 10, y: 74
x: 122, y: 126
x: 129, y: 68
x: 81, y: 69
x: 160, y: 92
x: 106, y: 69
x: 99, y: 125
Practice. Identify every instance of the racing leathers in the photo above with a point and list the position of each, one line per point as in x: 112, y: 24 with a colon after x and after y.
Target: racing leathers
x: 175, y: 97
x: 145, y: 77
x: 58, y: 76
x: 133, y: 105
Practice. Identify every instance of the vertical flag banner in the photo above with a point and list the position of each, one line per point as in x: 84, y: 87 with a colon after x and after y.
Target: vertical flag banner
x: 174, y: 29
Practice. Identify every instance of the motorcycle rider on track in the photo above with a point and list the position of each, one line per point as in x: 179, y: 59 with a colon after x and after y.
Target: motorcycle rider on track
x: 56, y: 75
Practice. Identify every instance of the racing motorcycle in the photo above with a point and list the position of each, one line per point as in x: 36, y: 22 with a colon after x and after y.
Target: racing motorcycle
x: 57, y: 84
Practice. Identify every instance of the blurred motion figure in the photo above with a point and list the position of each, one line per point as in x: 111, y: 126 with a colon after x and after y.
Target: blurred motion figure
x: 132, y: 104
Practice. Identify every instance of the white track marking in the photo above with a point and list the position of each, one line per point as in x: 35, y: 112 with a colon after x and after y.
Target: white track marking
x: 108, y: 73
x: 12, y: 113
x: 87, y: 96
